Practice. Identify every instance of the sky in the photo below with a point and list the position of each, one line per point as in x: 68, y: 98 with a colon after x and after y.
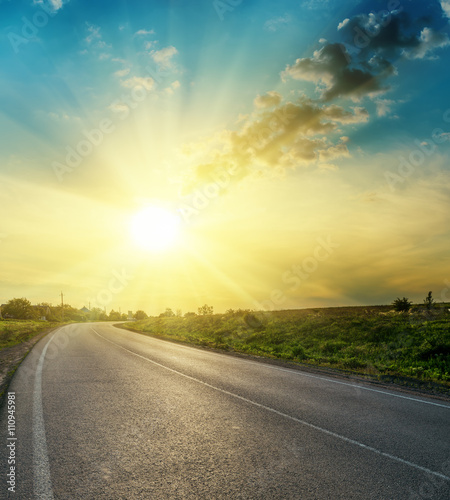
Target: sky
x: 297, y: 152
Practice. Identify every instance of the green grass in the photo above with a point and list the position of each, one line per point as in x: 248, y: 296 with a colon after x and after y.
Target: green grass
x: 14, y: 331
x: 365, y: 340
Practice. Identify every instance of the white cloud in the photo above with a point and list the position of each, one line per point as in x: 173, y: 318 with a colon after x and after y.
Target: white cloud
x: 445, y: 4
x: 144, y: 32
x: 173, y: 86
x: 94, y: 39
x: 384, y: 106
x: 429, y: 40
x: 139, y: 81
x: 276, y: 23
x: 343, y: 23
x: 52, y: 5
x: 122, y: 72
x: 94, y: 33
x: 164, y: 56
x: 268, y: 100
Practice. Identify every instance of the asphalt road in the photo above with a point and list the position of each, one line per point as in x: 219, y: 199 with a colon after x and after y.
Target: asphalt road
x: 102, y: 413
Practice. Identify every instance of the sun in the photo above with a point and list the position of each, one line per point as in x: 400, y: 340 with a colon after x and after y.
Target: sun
x: 155, y: 229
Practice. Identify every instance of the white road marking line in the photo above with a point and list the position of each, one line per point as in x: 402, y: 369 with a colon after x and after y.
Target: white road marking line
x: 304, y: 374
x: 285, y: 415
x: 41, y: 467
x: 355, y: 386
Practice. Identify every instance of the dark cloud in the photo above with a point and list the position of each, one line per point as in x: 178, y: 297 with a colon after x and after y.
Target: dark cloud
x: 331, y: 68
x: 360, y: 65
x: 392, y: 35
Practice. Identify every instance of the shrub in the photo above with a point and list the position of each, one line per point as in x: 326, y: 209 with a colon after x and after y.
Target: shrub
x: 402, y: 305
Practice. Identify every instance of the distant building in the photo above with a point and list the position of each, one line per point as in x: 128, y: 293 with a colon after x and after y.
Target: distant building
x: 130, y: 315
x: 84, y: 309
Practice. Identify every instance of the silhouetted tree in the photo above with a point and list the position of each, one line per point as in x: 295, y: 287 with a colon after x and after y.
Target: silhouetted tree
x: 402, y: 305
x: 429, y: 301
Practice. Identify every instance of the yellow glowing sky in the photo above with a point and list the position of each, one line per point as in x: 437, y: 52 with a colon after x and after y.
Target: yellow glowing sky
x: 285, y: 198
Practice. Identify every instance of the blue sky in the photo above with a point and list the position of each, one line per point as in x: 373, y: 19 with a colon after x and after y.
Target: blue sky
x: 323, y: 111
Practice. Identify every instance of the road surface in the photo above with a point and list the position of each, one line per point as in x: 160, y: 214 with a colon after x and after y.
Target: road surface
x: 102, y: 413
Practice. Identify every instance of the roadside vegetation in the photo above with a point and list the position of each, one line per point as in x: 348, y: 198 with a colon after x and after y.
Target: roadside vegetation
x: 13, y: 332
x: 382, y: 342
x: 20, y: 321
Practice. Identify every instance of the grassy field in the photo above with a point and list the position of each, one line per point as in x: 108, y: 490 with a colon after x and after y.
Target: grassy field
x: 14, y: 331
x: 366, y: 340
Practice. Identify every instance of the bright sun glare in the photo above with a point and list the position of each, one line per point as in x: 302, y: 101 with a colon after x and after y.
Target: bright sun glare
x: 155, y: 229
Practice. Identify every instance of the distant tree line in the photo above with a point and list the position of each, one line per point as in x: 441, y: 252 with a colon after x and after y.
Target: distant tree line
x: 21, y: 308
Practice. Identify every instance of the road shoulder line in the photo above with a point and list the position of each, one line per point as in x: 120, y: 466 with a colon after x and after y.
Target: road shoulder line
x: 41, y: 466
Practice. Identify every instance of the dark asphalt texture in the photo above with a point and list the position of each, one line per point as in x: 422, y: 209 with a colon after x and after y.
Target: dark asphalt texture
x: 131, y: 417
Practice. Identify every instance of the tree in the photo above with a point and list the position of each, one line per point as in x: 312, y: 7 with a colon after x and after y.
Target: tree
x: 168, y: 313
x: 206, y: 310
x: 429, y: 301
x: 18, y: 309
x: 139, y: 315
x: 72, y: 314
x: 402, y: 305
x: 95, y: 313
x: 103, y: 316
x: 114, y: 315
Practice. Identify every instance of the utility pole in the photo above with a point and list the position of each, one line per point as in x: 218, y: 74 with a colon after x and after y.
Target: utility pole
x: 62, y: 306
